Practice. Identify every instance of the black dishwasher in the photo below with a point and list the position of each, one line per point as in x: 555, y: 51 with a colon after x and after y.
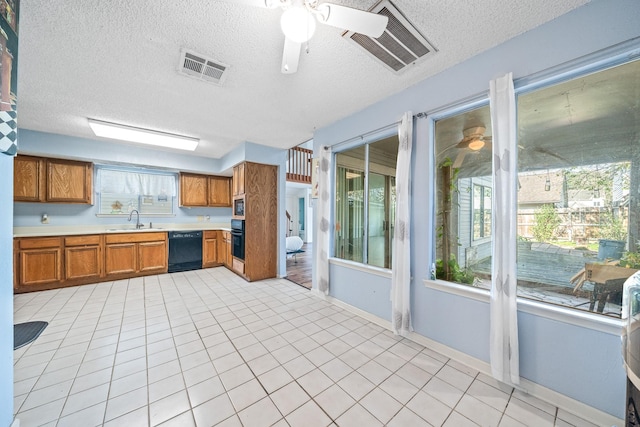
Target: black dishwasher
x: 185, y: 250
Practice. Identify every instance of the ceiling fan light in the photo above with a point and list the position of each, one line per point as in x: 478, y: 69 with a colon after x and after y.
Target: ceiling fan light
x: 298, y: 24
x: 476, y: 144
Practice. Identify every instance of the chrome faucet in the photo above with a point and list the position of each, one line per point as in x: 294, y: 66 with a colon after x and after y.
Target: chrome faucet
x: 139, y: 225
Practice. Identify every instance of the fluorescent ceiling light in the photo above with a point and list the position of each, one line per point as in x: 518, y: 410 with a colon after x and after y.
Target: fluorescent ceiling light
x: 142, y: 136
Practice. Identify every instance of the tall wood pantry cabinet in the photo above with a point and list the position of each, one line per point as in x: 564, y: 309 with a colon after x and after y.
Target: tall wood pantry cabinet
x: 259, y: 184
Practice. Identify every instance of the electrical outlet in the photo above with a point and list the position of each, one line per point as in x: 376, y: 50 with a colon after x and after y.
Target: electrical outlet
x: 200, y: 218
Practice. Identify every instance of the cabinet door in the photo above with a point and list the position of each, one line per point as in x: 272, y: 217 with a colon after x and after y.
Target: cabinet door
x: 69, y: 182
x: 193, y: 190
x: 228, y: 257
x: 82, y: 262
x: 40, y: 266
x: 219, y: 191
x: 210, y: 249
x: 222, y: 247
x: 120, y: 258
x: 28, y: 179
x: 152, y: 256
x: 238, y: 179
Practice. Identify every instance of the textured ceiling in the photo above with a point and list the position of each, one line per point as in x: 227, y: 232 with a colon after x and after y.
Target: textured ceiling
x: 117, y: 61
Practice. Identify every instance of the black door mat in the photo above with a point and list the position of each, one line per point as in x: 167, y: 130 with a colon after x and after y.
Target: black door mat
x: 24, y: 333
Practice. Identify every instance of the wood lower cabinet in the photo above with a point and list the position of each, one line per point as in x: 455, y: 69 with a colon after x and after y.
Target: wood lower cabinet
x: 224, y: 249
x: 133, y: 254
x: 210, y: 249
x: 120, y: 258
x: 83, y: 258
x: 152, y: 257
x: 53, y: 262
x: 39, y: 263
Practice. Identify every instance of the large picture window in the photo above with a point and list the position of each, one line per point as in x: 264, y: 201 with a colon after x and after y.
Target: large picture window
x: 578, y: 169
x: 463, y: 204
x: 578, y: 192
x: 365, y: 202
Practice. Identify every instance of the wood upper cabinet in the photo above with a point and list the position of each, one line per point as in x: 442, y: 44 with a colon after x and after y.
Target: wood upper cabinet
x: 238, y: 179
x: 193, y: 190
x: 83, y: 258
x: 219, y: 191
x: 39, y: 262
x: 39, y: 179
x: 134, y: 253
x: 69, y: 181
x: 29, y: 179
x: 204, y: 190
x: 210, y: 248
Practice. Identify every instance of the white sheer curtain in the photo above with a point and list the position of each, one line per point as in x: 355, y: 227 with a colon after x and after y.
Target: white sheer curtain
x: 504, y: 314
x: 130, y: 182
x: 401, y: 263
x: 324, y: 230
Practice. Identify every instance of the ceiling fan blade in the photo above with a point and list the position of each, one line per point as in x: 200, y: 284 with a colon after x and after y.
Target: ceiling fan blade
x: 359, y: 21
x: 290, y: 56
x: 459, y: 159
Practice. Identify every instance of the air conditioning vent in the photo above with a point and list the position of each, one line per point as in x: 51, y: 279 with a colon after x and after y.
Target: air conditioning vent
x: 400, y: 45
x: 202, y: 68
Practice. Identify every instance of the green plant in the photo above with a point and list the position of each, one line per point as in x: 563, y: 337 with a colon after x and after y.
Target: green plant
x: 456, y: 274
x: 630, y: 260
x: 612, y: 227
x: 547, y: 221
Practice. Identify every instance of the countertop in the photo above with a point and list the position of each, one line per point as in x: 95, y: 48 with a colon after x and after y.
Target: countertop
x: 53, y: 230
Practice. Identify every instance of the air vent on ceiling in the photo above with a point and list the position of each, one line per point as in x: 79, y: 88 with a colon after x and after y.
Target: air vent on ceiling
x: 195, y: 65
x: 400, y: 45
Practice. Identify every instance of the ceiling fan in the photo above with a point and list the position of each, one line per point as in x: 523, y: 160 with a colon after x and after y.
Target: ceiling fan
x: 298, y: 23
x: 473, y: 139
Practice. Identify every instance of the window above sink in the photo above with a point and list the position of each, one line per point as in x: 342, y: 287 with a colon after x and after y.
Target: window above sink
x: 121, y: 190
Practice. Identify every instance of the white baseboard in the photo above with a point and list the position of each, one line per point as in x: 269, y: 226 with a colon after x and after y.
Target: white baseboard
x: 552, y: 397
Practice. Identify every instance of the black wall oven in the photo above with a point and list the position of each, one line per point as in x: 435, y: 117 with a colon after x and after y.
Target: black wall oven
x: 237, y: 238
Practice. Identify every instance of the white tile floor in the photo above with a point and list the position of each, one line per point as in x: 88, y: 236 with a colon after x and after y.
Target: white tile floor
x: 206, y: 348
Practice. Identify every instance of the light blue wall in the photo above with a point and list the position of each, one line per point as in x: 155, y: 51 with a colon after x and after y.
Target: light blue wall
x: 71, y: 147
x: 47, y: 144
x: 368, y: 292
x: 580, y: 363
x: 6, y: 290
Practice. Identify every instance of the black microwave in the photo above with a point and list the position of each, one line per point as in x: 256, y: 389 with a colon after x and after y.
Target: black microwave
x: 238, y: 207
